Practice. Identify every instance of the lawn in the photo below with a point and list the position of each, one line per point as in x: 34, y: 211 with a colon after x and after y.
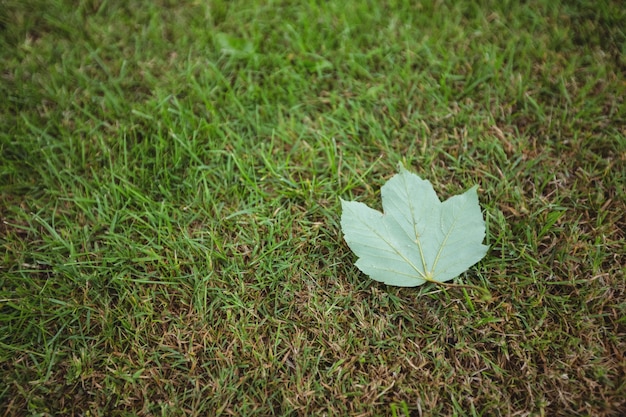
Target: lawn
x: 171, y: 176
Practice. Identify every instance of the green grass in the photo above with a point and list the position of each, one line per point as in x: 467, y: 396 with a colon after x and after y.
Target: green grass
x: 170, y: 184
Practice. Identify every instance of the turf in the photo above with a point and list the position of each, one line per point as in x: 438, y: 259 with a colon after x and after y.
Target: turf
x: 170, y: 187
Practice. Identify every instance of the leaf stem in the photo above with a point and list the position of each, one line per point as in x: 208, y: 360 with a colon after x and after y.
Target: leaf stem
x: 485, y: 292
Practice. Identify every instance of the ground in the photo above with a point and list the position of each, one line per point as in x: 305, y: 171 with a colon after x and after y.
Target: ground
x: 170, y: 188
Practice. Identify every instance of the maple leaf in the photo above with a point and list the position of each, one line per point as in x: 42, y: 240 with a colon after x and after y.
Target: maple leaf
x: 418, y: 239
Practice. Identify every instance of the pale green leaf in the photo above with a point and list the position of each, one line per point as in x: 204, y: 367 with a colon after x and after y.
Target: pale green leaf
x: 418, y: 238
x: 231, y: 45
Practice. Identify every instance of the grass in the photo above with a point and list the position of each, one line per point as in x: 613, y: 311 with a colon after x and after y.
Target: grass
x: 170, y: 182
